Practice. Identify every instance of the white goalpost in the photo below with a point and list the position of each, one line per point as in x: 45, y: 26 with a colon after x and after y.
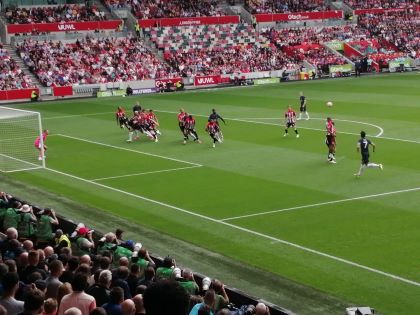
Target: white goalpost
x: 18, y: 131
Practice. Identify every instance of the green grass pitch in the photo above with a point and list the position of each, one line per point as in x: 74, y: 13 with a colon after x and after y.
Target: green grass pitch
x: 262, y: 199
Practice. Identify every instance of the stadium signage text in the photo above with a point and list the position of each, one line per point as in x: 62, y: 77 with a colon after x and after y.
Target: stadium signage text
x: 207, y: 80
x: 63, y: 27
x: 266, y: 81
x: 144, y: 91
x: 299, y: 16
x: 229, y: 19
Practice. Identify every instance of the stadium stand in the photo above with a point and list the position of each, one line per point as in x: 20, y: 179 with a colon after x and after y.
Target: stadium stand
x: 285, y: 6
x: 396, y: 30
x: 69, y: 266
x: 53, y: 14
x: 305, y: 44
x: 92, y: 60
x: 167, y: 9
x: 218, y: 49
x: 11, y: 75
x: 185, y: 38
x: 380, y: 4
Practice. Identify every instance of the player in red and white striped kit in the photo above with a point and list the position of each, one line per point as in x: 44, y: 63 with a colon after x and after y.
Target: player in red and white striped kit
x: 330, y: 139
x: 290, y: 121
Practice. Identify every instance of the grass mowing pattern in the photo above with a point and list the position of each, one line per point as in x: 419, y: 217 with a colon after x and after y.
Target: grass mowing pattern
x: 257, y: 170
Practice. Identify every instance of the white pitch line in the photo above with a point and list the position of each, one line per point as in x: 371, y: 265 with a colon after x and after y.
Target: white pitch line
x: 79, y: 115
x: 129, y: 150
x: 271, y: 238
x: 240, y: 120
x: 146, y: 173
x: 381, y: 130
x: 321, y: 204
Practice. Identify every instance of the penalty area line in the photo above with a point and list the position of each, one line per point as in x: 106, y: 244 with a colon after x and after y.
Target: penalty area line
x: 128, y: 150
x: 245, y: 230
x: 321, y: 204
x: 146, y: 173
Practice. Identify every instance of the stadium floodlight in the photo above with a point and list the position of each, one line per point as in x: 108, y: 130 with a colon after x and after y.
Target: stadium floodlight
x: 18, y: 131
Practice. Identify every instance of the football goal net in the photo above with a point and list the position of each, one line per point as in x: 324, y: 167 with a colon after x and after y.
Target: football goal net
x: 18, y: 132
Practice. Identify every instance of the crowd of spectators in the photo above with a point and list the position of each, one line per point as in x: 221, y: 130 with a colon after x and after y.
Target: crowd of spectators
x: 45, y: 271
x: 399, y: 28
x: 380, y: 4
x: 92, y: 60
x: 230, y: 60
x: 12, y: 76
x: 314, y: 35
x: 185, y: 38
x: 285, y: 6
x: 150, y: 9
x: 53, y: 14
x: 305, y: 44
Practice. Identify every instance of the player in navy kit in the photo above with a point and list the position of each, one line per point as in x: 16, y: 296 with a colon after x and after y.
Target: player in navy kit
x: 303, y: 103
x: 363, y: 147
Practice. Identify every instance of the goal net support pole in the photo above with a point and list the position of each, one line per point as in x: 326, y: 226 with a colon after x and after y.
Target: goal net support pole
x: 18, y: 131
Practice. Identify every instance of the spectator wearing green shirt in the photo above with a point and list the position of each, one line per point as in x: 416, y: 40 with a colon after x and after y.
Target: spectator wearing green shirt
x: 188, y: 282
x: 166, y: 270
x: 143, y: 260
x: 11, y: 216
x: 26, y: 222
x: 44, y: 233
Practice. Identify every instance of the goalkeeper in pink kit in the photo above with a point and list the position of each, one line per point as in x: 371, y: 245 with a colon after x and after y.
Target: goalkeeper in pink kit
x: 41, y: 147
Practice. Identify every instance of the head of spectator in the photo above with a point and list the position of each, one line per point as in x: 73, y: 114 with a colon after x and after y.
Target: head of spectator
x: 118, y: 234
x: 123, y: 262
x: 11, y: 233
x: 210, y: 298
x: 66, y: 251
x: 188, y: 274
x: 105, y: 278
x: 56, y: 268
x: 261, y: 309
x: 80, y: 282
x: 34, y: 301
x: 22, y: 260
x: 166, y: 297
x: 11, y: 265
x: 128, y: 307
x: 84, y: 268
x: 28, y: 245
x: 10, y: 284
x: 149, y: 273
x: 98, y: 311
x: 104, y: 262
x: 33, y: 258
x: 50, y: 306
x: 122, y: 273
x: 41, y: 285
x: 3, y: 270
x: 138, y: 302
x: 116, y: 296
x: 140, y: 289
x: 168, y: 262
x: 48, y: 252
x: 73, y: 311
x: 110, y: 237
x: 73, y: 263
x: 41, y: 255
x: 63, y: 290
x: 85, y: 259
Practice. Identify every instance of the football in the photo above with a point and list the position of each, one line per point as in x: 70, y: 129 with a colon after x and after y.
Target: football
x: 329, y: 104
